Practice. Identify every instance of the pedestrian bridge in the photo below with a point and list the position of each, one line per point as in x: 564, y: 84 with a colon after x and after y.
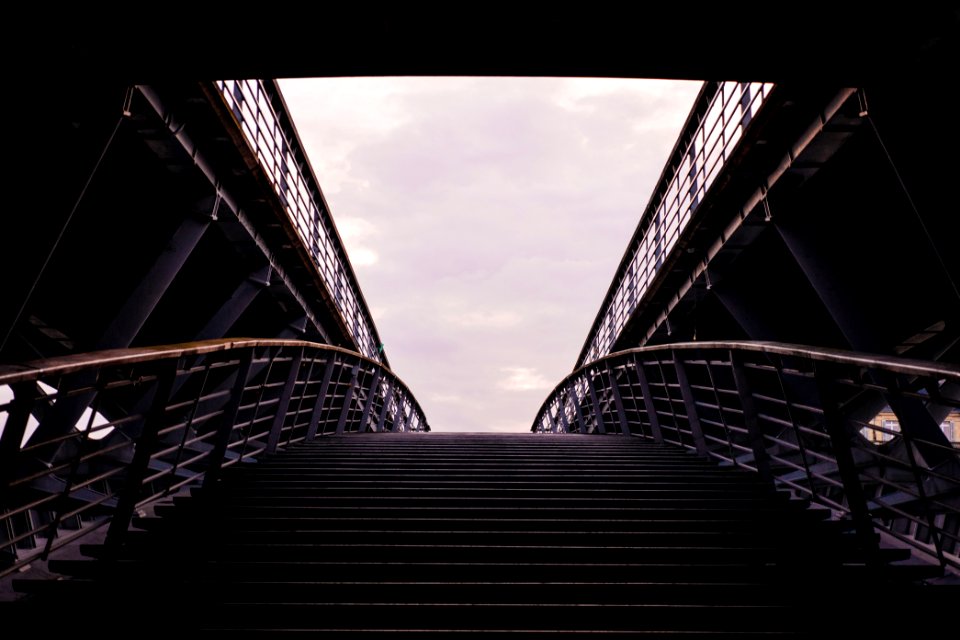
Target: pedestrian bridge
x: 715, y: 463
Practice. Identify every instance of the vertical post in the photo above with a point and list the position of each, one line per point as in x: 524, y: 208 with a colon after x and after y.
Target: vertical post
x: 915, y: 410
x: 553, y: 422
x: 400, y: 420
x: 144, y: 447
x: 228, y: 420
x: 177, y: 385
x: 321, y: 397
x: 618, y: 402
x: 562, y: 409
x: 648, y: 401
x: 751, y: 422
x: 371, y: 396
x: 581, y: 424
x: 62, y: 503
x: 596, y: 404
x: 347, y: 400
x: 381, y: 421
x: 308, y: 376
x: 673, y: 411
x: 846, y: 466
x: 690, y: 404
x: 273, y: 438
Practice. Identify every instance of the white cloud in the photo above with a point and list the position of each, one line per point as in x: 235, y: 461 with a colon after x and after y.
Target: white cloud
x: 357, y: 235
x: 508, y: 427
x: 495, y: 211
x: 524, y: 379
x: 439, y: 398
x: 477, y: 319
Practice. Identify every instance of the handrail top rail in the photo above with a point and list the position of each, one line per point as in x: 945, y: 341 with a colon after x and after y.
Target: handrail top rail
x: 826, y: 354
x: 35, y: 369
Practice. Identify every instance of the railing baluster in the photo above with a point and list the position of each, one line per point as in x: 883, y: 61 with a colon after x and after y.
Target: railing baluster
x: 145, y: 445
x: 554, y: 428
x: 846, y: 466
x: 160, y: 429
x: 228, y: 421
x: 321, y: 397
x: 581, y: 425
x: 387, y: 396
x: 307, y: 379
x: 673, y: 411
x: 63, y: 502
x: 371, y: 395
x: 751, y: 422
x: 597, y: 415
x: 178, y: 383
x: 802, y: 411
x: 347, y: 399
x: 273, y: 439
x: 693, y: 418
x: 615, y: 391
x: 896, y: 401
x: 563, y: 410
x: 651, y: 409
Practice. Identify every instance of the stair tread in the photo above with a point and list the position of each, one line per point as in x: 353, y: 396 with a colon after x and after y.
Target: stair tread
x: 375, y: 535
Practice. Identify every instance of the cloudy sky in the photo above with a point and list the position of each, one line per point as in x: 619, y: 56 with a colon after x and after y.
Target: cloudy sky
x: 485, y: 218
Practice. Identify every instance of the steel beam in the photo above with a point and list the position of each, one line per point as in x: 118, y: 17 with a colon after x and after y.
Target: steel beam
x: 563, y: 412
x: 689, y: 403
x: 294, y: 330
x: 234, y: 307
x: 554, y: 427
x: 348, y: 399
x: 596, y: 404
x: 371, y: 395
x: 228, y: 420
x: 321, y: 397
x: 840, y: 441
x: 387, y: 397
x: 920, y: 427
x: 582, y: 425
x: 273, y: 438
x: 648, y: 401
x: 145, y: 445
x: 154, y: 284
x: 751, y: 422
x: 618, y: 402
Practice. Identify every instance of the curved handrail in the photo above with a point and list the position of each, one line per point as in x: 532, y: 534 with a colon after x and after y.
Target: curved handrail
x: 34, y: 369
x: 806, y: 418
x: 893, y: 364
x: 87, y: 438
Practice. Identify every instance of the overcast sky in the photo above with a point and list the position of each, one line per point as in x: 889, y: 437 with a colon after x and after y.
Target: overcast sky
x: 485, y: 218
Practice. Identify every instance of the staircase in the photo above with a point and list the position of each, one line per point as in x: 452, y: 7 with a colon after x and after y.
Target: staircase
x: 511, y: 535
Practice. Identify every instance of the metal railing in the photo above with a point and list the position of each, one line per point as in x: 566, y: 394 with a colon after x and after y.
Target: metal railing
x: 721, y: 114
x: 260, y: 112
x: 157, y: 419
x: 799, y: 416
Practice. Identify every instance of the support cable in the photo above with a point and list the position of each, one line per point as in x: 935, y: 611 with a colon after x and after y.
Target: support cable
x: 865, y: 113
x: 125, y: 113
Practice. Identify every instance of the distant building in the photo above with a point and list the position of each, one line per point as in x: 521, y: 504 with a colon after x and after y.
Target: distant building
x: 888, y: 426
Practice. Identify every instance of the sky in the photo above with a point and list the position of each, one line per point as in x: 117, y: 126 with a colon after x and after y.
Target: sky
x: 485, y: 218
